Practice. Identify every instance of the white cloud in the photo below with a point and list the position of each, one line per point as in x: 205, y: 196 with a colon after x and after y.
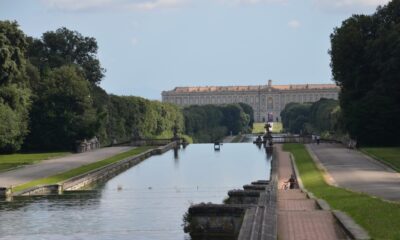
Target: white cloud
x: 349, y: 4
x: 294, y: 24
x: 81, y: 5
x: 250, y: 2
x: 134, y: 41
x: 155, y: 4
x: 76, y: 5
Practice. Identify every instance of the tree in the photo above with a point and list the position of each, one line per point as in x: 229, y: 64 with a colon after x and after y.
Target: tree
x: 66, y: 47
x: 63, y: 111
x: 14, y: 93
x: 365, y: 59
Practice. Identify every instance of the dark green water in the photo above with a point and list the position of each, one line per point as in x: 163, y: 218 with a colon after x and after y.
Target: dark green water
x: 154, y: 196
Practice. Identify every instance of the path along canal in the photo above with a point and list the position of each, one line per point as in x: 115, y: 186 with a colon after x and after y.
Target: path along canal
x: 144, y: 202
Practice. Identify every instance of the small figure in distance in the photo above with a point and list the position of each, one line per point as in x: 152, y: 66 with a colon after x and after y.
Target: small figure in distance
x: 290, y: 184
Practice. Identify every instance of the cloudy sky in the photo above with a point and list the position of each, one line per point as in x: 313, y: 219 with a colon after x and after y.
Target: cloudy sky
x: 148, y: 46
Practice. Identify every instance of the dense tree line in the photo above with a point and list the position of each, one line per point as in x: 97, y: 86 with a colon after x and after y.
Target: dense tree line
x: 209, y: 123
x: 365, y: 59
x: 50, y: 98
x: 322, y: 117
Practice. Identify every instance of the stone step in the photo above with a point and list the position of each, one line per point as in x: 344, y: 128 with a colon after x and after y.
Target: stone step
x: 297, y: 204
x: 291, y: 194
x: 308, y: 225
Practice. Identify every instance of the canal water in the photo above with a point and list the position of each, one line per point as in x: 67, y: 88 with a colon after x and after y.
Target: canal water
x: 144, y: 202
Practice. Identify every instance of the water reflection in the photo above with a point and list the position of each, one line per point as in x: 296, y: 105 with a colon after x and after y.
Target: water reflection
x: 145, y: 202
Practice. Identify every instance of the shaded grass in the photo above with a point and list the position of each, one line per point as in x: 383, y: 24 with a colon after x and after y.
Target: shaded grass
x: 380, y: 218
x: 9, y: 161
x: 81, y: 170
x: 389, y: 155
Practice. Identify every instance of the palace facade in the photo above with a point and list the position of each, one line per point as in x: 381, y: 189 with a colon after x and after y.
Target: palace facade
x: 267, y: 100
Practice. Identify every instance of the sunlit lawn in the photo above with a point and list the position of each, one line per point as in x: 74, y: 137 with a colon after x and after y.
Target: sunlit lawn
x: 277, y: 127
x: 10, y: 161
x: 380, y: 218
x: 389, y: 155
x: 258, y: 128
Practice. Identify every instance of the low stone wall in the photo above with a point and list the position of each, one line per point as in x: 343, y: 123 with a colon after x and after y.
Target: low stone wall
x: 248, y: 214
x: 215, y: 221
x: 42, y: 190
x: 98, y: 175
x: 109, y: 171
x: 5, y: 192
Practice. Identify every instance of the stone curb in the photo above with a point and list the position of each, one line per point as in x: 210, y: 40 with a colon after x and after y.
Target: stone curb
x: 353, y: 230
x: 49, y: 188
x: 328, y: 178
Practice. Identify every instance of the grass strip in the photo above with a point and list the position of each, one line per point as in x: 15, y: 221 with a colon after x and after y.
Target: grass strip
x: 10, y: 161
x: 80, y: 170
x: 388, y: 155
x: 258, y: 128
x: 277, y: 127
x: 380, y: 218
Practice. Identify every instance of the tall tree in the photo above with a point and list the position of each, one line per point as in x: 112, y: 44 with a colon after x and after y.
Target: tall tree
x: 14, y: 93
x: 65, y: 47
x: 63, y: 111
x: 365, y: 59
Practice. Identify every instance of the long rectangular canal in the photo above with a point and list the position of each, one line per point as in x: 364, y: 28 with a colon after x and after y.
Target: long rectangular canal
x: 145, y: 202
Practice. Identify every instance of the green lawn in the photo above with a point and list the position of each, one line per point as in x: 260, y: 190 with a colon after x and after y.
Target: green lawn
x: 380, y: 218
x: 258, y: 128
x: 9, y: 161
x: 389, y: 155
x: 277, y: 127
x: 81, y: 170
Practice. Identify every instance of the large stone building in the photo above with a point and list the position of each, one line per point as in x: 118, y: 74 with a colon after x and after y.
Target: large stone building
x: 267, y: 100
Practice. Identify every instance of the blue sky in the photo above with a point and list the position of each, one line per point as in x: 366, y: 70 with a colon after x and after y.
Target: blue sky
x: 148, y: 46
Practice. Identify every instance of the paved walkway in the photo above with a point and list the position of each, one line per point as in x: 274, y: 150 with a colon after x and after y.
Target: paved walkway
x: 54, y: 166
x: 228, y: 139
x: 358, y: 172
x: 298, y: 216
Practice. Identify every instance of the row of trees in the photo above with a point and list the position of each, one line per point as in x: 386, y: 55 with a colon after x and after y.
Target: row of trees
x: 211, y: 123
x: 322, y: 117
x: 365, y: 59
x: 50, y: 98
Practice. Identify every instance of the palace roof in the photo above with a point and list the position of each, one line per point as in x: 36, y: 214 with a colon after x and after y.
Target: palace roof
x: 254, y: 88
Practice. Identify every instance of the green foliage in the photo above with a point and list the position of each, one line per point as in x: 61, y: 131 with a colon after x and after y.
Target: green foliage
x: 295, y: 116
x: 318, y: 117
x: 67, y: 103
x: 14, y: 94
x: 211, y: 123
x: 135, y: 117
x: 365, y: 59
x: 62, y: 111
x: 66, y: 47
x: 373, y: 214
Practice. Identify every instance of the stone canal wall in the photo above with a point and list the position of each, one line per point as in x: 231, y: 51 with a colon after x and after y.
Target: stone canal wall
x: 98, y: 175
x: 248, y: 214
